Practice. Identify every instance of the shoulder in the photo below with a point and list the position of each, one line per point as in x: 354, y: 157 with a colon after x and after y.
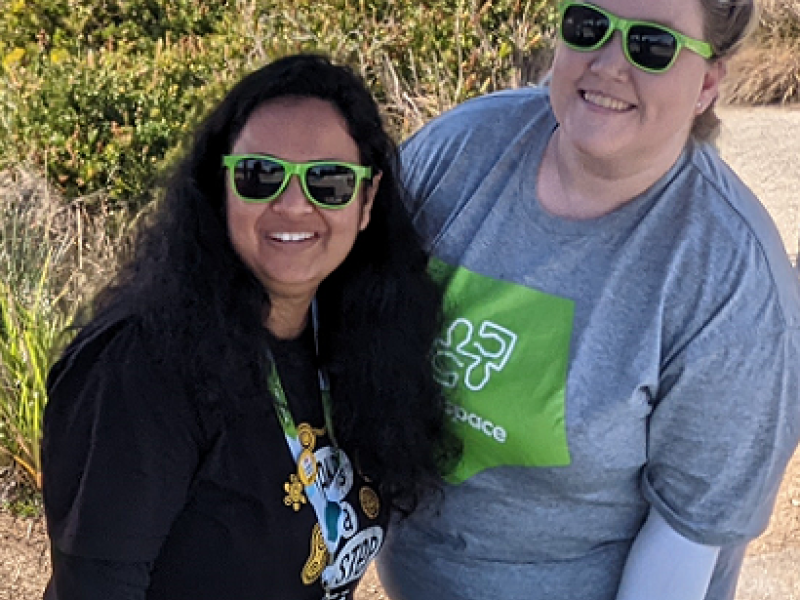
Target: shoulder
x: 116, y: 366
x: 495, y: 108
x: 733, y: 196
x: 100, y: 343
x: 493, y: 118
x: 454, y: 153
x: 738, y: 231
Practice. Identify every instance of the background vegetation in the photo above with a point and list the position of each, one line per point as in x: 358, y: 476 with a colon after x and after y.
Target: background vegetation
x: 97, y: 97
x: 767, y: 71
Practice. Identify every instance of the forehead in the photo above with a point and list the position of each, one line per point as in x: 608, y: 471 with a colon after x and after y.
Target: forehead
x: 297, y: 129
x: 685, y: 16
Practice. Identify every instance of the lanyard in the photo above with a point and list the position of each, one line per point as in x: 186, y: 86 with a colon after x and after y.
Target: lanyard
x: 301, y: 441
x: 281, y: 404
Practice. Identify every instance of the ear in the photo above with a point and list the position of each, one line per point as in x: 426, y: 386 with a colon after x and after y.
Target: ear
x: 366, y: 208
x: 709, y: 92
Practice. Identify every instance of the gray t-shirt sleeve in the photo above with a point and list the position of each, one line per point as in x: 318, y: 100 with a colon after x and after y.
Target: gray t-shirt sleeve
x: 721, y: 437
x: 727, y: 416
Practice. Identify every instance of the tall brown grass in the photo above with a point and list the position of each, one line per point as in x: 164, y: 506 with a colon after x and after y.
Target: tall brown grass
x: 80, y: 239
x: 767, y: 70
x: 54, y: 254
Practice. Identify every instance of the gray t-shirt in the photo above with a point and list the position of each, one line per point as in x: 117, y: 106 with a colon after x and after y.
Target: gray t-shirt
x: 595, y: 368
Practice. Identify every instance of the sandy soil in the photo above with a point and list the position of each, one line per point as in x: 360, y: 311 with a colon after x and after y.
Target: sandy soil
x: 763, y: 146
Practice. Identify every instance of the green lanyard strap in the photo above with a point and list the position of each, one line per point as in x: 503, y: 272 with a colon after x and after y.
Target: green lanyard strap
x: 279, y: 396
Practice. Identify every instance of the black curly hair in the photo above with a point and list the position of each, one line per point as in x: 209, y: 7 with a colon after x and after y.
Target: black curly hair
x: 378, y: 311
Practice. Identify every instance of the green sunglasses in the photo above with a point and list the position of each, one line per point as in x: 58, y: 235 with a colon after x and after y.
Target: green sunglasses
x: 326, y: 183
x: 648, y: 46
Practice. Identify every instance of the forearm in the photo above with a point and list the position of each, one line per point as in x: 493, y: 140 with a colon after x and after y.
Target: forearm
x: 664, y: 565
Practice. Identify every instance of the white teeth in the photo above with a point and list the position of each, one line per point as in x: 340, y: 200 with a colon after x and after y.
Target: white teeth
x: 605, y: 101
x: 291, y: 237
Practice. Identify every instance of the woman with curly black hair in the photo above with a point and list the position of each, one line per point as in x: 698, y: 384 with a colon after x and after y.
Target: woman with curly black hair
x: 252, y: 397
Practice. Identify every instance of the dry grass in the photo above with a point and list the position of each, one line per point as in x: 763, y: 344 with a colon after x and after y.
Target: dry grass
x: 780, y: 18
x: 54, y: 254
x: 764, y: 75
x: 767, y: 70
x: 81, y: 246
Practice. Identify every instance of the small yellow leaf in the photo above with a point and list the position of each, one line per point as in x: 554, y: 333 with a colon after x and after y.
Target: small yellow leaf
x: 13, y: 58
x: 59, y: 56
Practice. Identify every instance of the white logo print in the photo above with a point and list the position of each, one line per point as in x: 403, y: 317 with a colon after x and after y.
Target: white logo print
x: 476, y: 421
x: 353, y: 560
x: 348, y: 523
x: 459, y: 357
x: 335, y: 473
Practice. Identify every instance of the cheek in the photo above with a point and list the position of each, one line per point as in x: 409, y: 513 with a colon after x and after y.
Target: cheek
x: 346, y: 226
x: 568, y: 63
x: 672, y: 93
x: 564, y: 73
x: 240, y: 219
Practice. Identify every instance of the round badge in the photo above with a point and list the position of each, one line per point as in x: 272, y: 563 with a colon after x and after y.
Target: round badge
x: 341, y: 479
x: 307, y: 467
x: 306, y: 436
x: 370, y: 503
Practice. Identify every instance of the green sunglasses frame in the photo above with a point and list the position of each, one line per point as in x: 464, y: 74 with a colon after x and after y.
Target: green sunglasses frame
x: 300, y: 169
x: 623, y: 26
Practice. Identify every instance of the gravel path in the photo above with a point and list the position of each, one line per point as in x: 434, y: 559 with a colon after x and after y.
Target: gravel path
x: 762, y: 144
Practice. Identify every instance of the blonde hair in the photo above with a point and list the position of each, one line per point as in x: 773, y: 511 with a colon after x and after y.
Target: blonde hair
x: 727, y: 23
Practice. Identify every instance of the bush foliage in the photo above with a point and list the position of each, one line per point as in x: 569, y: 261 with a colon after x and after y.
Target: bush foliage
x: 99, y: 95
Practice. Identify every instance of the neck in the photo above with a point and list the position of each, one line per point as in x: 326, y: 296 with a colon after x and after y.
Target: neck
x: 575, y: 186
x: 286, y: 318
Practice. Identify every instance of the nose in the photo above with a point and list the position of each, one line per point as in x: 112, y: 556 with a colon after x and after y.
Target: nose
x: 292, y: 199
x: 610, y: 58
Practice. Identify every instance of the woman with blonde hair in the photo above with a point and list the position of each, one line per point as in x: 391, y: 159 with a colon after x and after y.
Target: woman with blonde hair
x: 621, y: 349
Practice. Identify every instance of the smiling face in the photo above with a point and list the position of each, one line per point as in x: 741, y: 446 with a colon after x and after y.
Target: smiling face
x: 290, y: 244
x: 609, y: 110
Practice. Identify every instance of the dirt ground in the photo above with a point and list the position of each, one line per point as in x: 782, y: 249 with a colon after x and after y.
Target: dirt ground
x: 763, y: 146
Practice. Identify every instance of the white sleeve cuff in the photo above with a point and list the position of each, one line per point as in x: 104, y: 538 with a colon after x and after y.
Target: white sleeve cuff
x: 664, y: 565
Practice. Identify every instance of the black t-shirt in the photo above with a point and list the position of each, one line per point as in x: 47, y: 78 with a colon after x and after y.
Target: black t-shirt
x: 151, y: 494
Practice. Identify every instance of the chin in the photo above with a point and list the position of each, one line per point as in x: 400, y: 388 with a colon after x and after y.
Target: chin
x: 602, y: 146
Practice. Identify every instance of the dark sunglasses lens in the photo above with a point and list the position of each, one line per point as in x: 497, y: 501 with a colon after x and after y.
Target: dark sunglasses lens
x: 258, y: 178
x: 584, y: 27
x: 332, y: 185
x: 651, y: 47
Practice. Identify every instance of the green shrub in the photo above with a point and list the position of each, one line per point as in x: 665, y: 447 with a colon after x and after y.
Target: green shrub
x: 100, y: 95
x: 28, y: 335
x: 105, y: 121
x: 91, y: 24
x: 97, y: 94
x: 421, y: 57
